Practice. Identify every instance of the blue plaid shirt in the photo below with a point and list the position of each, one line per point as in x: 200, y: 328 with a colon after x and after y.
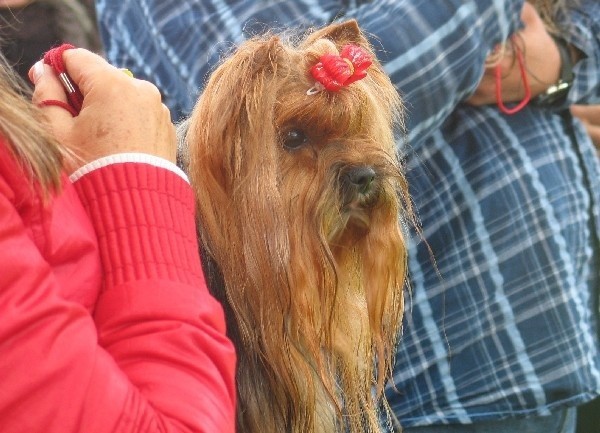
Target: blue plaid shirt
x: 501, y: 317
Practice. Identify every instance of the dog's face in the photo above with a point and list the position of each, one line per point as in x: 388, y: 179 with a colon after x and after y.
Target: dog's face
x: 299, y: 202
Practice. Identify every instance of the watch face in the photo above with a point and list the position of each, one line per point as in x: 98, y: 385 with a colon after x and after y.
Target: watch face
x: 560, y: 87
x: 554, y: 95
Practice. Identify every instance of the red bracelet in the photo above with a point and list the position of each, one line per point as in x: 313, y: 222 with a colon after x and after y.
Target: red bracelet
x: 527, y: 97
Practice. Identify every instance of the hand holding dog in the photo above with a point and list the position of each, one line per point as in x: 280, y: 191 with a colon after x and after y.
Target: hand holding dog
x: 119, y: 114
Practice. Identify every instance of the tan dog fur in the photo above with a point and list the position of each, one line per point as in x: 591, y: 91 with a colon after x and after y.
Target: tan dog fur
x: 303, y: 247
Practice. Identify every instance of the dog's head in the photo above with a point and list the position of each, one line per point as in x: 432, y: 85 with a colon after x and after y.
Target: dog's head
x: 300, y: 198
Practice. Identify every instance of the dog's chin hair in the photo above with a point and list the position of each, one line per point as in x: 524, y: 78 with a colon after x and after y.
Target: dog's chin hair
x: 350, y: 225
x: 312, y: 291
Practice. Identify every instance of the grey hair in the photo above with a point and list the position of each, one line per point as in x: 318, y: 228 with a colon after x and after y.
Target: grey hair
x: 181, y: 130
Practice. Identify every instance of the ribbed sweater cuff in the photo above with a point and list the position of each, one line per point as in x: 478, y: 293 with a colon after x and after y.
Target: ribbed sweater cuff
x: 144, y: 219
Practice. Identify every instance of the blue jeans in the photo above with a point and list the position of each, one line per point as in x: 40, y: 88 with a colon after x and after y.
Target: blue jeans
x: 561, y: 421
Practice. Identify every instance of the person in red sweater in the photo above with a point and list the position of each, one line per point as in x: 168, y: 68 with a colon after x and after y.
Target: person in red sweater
x: 106, y: 323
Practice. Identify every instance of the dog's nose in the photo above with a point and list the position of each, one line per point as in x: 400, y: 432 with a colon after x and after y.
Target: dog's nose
x: 361, y: 178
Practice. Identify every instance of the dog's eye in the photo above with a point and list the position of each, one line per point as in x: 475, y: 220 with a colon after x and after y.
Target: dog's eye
x: 294, y: 139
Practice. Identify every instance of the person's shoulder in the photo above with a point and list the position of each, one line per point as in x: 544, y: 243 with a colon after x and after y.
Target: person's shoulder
x: 11, y: 174
x: 17, y: 183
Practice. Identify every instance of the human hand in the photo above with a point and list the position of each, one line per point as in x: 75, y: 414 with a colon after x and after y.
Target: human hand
x: 119, y: 113
x: 541, y: 61
x: 590, y: 116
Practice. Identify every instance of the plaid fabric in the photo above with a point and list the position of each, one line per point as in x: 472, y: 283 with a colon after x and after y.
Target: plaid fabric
x: 501, y: 315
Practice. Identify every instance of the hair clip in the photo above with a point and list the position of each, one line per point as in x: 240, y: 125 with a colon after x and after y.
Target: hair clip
x: 336, y: 71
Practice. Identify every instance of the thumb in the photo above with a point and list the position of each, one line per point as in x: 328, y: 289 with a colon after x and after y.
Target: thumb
x: 49, y: 94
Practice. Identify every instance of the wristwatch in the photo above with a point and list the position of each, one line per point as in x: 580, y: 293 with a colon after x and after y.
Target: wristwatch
x: 557, y: 92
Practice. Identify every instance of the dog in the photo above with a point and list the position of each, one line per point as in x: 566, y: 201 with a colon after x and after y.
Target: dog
x: 300, y: 203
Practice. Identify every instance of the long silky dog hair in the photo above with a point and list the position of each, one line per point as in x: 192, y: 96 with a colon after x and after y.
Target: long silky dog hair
x: 300, y: 201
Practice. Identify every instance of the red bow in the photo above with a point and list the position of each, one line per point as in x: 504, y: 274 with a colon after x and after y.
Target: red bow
x: 335, y: 72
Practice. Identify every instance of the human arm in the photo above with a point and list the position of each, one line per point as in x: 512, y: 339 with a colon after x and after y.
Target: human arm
x: 434, y: 51
x: 540, y: 62
x: 543, y: 62
x: 153, y: 357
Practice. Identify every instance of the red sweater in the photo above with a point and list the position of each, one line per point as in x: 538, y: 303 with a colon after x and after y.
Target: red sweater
x: 141, y: 350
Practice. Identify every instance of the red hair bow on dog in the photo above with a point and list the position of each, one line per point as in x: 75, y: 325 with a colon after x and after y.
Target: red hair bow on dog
x: 335, y: 72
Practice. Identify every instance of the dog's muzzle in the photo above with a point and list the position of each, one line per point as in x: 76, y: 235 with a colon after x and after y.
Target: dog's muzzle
x: 360, y: 179
x: 359, y: 188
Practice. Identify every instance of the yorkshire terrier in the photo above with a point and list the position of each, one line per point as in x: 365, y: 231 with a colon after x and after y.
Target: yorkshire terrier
x: 300, y: 202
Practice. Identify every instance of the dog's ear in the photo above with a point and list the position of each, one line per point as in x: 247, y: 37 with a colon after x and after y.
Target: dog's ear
x: 235, y: 112
x: 232, y: 148
x: 233, y: 154
x: 341, y: 34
